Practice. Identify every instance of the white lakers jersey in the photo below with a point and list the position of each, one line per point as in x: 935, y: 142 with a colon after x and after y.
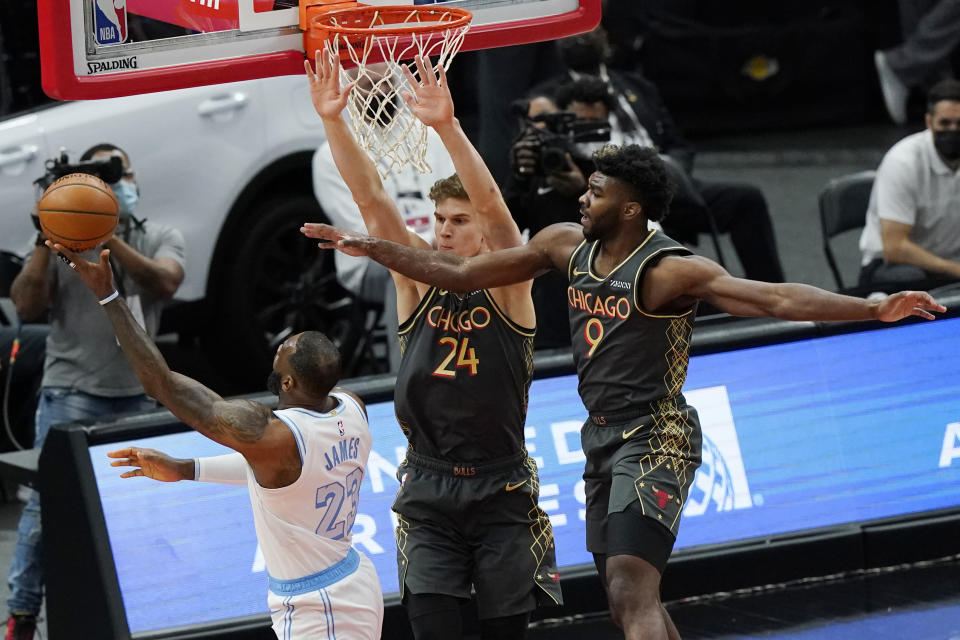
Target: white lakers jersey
x: 305, y: 527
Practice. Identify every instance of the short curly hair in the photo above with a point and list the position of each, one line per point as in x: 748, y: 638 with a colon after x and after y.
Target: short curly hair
x: 641, y: 170
x: 316, y: 363
x: 445, y: 188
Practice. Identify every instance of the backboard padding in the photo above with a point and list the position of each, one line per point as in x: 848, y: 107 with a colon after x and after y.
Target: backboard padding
x: 173, y: 44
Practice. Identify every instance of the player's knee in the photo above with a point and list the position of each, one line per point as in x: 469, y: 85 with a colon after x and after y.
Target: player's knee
x: 631, y: 593
x: 632, y: 604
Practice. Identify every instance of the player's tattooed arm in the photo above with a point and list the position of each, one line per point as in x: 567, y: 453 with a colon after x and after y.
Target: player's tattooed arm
x: 238, y: 424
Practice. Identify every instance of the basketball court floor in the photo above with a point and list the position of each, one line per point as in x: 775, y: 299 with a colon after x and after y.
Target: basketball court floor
x: 920, y: 602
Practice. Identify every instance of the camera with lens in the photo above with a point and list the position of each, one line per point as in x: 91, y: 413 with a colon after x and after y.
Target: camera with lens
x: 555, y: 134
x: 109, y: 170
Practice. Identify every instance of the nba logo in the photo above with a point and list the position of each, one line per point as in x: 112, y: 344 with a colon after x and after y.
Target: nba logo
x: 110, y: 21
x: 340, y: 427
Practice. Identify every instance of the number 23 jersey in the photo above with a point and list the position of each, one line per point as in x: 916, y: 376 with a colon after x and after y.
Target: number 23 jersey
x: 464, y: 377
x: 305, y: 527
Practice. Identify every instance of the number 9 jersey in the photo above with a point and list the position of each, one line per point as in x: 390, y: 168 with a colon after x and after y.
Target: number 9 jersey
x: 626, y: 356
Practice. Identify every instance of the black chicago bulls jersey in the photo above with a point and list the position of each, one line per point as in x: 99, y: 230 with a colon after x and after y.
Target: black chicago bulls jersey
x: 626, y: 357
x: 464, y: 377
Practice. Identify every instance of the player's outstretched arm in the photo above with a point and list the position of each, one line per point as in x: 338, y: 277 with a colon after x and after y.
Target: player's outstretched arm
x: 150, y: 463
x: 379, y: 212
x: 550, y: 248
x: 238, y: 424
x: 432, y: 104
x: 695, y: 277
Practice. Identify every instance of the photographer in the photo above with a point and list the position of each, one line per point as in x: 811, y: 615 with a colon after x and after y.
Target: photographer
x: 548, y: 176
x: 636, y: 111
x: 551, y: 163
x: 85, y: 374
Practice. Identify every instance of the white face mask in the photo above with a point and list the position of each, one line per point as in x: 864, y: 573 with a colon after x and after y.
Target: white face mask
x: 127, y: 196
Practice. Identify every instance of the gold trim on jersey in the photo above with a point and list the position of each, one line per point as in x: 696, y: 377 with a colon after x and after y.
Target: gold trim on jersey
x: 407, y: 324
x: 670, y: 449
x: 524, y: 331
x: 637, y: 292
x: 573, y: 256
x: 401, y: 536
x: 541, y: 531
x: 596, y: 244
x: 678, y: 332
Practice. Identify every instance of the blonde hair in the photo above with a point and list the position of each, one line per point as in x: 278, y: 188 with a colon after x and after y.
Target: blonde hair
x: 450, y: 187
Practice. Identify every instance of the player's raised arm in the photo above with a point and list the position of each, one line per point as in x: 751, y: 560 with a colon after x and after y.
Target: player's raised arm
x: 695, y: 277
x: 379, y: 212
x: 238, y: 424
x: 550, y: 248
x: 432, y: 104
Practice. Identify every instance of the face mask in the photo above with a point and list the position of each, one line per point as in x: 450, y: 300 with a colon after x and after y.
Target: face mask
x: 273, y: 383
x: 947, y: 144
x: 127, y: 196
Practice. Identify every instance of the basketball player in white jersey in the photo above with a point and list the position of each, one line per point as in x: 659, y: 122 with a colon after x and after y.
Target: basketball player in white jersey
x: 313, y: 447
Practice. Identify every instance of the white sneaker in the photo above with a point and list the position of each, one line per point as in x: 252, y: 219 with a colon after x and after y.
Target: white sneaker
x: 895, y: 92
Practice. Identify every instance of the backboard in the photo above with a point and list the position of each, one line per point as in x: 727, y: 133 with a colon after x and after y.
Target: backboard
x: 107, y: 48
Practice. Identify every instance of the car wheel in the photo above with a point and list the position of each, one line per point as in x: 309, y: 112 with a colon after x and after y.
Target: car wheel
x: 279, y: 284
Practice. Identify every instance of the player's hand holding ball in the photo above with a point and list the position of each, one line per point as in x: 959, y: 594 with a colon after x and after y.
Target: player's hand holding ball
x: 96, y: 275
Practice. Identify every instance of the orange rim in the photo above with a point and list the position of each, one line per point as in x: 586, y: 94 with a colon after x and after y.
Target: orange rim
x: 348, y: 21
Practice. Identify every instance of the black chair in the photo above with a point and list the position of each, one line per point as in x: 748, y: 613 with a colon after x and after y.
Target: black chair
x: 843, y: 206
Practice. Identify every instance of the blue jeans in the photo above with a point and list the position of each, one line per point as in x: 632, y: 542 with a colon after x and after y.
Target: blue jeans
x: 57, y: 405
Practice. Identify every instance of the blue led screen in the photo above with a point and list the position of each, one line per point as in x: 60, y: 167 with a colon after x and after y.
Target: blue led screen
x: 799, y: 435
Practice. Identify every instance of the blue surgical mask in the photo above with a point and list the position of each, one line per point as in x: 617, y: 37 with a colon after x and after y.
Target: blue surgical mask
x: 127, y: 195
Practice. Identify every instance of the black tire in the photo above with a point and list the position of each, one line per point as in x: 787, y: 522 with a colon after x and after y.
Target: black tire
x: 279, y: 284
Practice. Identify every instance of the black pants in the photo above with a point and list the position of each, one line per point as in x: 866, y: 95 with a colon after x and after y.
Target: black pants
x: 737, y: 209
x: 890, y: 277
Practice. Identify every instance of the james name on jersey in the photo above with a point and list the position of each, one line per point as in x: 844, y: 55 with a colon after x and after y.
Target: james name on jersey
x: 346, y: 449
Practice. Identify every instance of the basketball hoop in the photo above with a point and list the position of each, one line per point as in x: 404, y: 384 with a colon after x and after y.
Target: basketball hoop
x: 365, y: 36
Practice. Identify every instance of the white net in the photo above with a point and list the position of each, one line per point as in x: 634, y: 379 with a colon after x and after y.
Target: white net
x: 384, y: 125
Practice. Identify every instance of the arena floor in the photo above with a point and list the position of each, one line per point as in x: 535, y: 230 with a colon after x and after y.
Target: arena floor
x: 920, y: 601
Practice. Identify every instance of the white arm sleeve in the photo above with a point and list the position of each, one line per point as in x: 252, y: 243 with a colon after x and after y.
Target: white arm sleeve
x: 226, y: 469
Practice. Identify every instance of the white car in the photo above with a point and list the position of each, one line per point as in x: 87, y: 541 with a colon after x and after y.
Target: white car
x: 229, y: 165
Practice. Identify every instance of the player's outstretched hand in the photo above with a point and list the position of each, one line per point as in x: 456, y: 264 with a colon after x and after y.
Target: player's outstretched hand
x: 96, y: 275
x: 349, y: 242
x: 908, y: 303
x: 328, y: 98
x: 151, y: 463
x: 430, y: 100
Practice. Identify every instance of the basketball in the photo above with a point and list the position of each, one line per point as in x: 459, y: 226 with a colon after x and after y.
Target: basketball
x: 79, y: 211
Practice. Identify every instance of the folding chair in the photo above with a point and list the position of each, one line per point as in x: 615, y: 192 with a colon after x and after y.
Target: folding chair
x: 843, y: 206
